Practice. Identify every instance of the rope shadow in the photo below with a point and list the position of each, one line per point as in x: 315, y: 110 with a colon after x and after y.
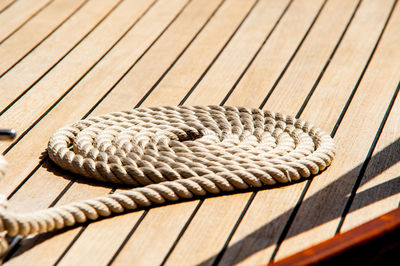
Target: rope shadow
x: 318, y: 206
x: 253, y: 243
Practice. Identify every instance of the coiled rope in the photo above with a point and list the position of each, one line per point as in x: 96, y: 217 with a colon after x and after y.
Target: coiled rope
x: 172, y: 153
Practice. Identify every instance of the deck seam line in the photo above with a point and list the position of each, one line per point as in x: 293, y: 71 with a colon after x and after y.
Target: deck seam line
x: 63, y: 96
x: 218, y: 55
x: 46, y: 157
x: 180, y: 55
x: 256, y: 53
x: 165, y: 73
x: 6, y: 7
x: 136, y: 61
x: 83, y: 228
x: 35, y: 46
x: 26, y: 21
x: 220, y: 254
x: 128, y: 236
x: 72, y: 87
x: 293, y: 56
x: 316, y: 83
x: 58, y: 61
x: 296, y: 208
x: 183, y: 230
x: 367, y: 160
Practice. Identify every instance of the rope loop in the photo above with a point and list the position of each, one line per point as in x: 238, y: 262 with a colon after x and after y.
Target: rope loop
x: 171, y: 153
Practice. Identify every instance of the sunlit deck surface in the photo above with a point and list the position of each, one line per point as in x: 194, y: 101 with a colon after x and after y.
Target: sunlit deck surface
x: 335, y: 63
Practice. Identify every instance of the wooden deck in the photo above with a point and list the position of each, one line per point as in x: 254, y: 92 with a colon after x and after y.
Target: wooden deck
x: 335, y: 63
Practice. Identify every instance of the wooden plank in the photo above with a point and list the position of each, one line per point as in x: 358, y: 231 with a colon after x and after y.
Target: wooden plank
x: 18, y: 14
x: 160, y: 11
x: 135, y: 249
x: 229, y: 9
x: 183, y: 77
x: 276, y: 51
x: 95, y: 83
x: 79, y: 238
x: 35, y: 31
x: 4, y: 4
x: 204, y: 237
x: 113, y: 28
x: 327, y: 196
x: 255, y: 238
x: 208, y: 43
x: 49, y: 53
x: 379, y: 191
x: 375, y: 241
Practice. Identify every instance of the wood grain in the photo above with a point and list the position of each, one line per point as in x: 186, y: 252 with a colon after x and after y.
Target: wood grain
x: 315, y: 59
x: 35, y: 31
x: 379, y: 191
x: 4, y: 4
x: 39, y: 62
x: 230, y: 9
x: 77, y: 187
x: 255, y: 239
x: 373, y: 242
x: 207, y: 234
x: 326, y: 197
x: 102, y: 77
x: 159, y: 215
x: 17, y: 14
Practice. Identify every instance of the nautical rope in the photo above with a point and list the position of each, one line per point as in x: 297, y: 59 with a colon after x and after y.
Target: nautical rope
x: 172, y: 153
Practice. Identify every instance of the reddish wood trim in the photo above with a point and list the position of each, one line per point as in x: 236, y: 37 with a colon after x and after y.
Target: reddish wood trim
x: 374, y: 241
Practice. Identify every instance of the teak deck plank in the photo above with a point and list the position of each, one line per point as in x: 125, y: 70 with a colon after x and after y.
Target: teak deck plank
x: 113, y: 30
x: 92, y: 232
x: 331, y: 62
x: 212, y: 224
x: 266, y: 218
x: 142, y: 35
x: 35, y: 31
x: 327, y: 107
x: 4, y: 4
x: 224, y: 14
x: 172, y: 79
x: 170, y: 40
x: 38, y: 66
x: 96, y: 82
x: 378, y: 192
x: 18, y: 14
x: 326, y: 197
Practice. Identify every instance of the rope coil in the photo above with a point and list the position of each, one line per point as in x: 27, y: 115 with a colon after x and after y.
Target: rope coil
x: 172, y: 153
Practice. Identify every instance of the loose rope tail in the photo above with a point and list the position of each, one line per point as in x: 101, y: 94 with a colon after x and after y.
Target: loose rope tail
x: 173, y: 153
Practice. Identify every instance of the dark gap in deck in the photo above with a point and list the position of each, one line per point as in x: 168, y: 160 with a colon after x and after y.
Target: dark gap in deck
x: 243, y: 213
x: 217, y: 56
x: 62, y: 97
x: 293, y: 56
x: 7, y: 6
x: 296, y: 208
x: 59, y: 60
x: 128, y: 236
x: 27, y: 20
x: 316, y: 83
x: 172, y: 248
x: 45, y: 38
x: 179, y: 56
x: 368, y: 158
x: 222, y: 102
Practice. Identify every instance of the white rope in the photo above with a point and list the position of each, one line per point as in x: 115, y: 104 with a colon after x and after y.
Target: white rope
x: 172, y: 153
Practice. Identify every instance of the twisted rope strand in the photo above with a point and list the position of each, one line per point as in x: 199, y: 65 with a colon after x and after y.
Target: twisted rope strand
x: 173, y: 153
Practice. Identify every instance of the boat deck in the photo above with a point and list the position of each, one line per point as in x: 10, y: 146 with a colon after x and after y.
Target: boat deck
x: 334, y: 63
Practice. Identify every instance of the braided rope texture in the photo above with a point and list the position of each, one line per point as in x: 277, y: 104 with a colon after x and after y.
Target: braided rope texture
x: 172, y: 153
